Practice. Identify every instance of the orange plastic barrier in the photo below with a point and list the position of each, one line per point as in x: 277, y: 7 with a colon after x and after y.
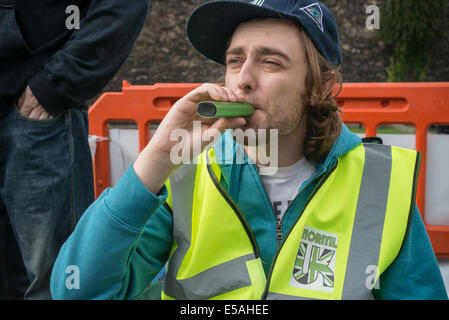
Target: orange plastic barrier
x: 371, y: 104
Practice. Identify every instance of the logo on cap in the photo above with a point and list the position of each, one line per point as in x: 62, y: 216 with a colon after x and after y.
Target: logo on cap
x: 314, y: 12
x: 257, y: 2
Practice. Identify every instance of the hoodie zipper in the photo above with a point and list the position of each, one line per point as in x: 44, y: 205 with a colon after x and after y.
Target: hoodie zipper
x: 278, y: 221
x: 278, y: 231
x: 312, y: 194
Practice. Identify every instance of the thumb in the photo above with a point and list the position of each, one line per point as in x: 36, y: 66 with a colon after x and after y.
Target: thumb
x: 219, y: 127
x: 228, y: 123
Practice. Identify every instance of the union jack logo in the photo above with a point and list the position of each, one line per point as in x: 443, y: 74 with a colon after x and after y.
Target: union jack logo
x: 312, y: 261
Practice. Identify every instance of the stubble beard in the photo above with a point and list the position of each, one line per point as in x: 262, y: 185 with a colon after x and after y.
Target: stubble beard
x: 285, y: 125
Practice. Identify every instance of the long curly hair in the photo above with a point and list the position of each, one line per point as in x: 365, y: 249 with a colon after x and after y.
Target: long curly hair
x: 323, y: 83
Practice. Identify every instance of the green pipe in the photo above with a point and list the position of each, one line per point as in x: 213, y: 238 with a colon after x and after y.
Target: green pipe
x: 217, y: 109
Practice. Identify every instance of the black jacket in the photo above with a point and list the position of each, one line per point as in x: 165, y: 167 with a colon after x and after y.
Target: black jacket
x: 64, y: 67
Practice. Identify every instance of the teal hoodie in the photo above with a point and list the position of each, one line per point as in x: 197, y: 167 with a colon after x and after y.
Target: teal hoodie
x: 123, y: 240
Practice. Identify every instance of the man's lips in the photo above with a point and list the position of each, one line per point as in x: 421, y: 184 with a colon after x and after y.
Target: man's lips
x: 257, y: 107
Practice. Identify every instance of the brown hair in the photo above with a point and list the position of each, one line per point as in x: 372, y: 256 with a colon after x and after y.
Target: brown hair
x: 323, y: 124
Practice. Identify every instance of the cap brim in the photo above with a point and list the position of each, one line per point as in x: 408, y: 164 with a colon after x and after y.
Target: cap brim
x: 210, y: 34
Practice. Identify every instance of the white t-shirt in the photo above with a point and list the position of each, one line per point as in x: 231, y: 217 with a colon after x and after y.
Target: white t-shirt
x: 282, y: 184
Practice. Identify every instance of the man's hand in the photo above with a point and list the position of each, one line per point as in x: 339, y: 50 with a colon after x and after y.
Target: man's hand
x: 29, y: 107
x: 153, y: 165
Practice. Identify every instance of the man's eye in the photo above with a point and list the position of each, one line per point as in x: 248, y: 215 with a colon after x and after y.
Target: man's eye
x: 233, y: 61
x: 272, y: 62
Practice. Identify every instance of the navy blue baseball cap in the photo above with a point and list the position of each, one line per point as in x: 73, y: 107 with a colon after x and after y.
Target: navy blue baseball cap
x: 211, y: 25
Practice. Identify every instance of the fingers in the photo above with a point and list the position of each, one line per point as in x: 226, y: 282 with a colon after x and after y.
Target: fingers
x: 28, y: 106
x: 210, y: 91
x: 223, y: 124
x: 215, y: 131
x: 225, y: 94
x: 218, y: 128
x: 35, y: 112
x: 183, y: 115
x: 220, y: 93
x: 39, y: 113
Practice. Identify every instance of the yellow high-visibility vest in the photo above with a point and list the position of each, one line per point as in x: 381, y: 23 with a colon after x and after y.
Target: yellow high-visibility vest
x: 351, y: 229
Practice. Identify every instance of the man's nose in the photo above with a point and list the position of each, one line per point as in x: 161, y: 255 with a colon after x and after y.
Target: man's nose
x: 246, y: 82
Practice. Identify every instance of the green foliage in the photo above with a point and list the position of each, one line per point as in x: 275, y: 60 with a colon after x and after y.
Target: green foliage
x: 410, y: 27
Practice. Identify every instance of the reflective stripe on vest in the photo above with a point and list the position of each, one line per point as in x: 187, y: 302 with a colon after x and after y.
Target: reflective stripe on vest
x: 353, y: 226
x: 368, y: 201
x: 203, y: 264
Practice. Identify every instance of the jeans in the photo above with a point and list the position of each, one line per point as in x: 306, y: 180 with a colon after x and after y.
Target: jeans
x: 46, y: 183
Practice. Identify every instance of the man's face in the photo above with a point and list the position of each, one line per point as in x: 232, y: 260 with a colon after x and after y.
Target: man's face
x: 266, y: 63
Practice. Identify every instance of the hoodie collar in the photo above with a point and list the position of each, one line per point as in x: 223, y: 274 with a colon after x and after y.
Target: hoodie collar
x: 227, y: 151
x: 345, y: 142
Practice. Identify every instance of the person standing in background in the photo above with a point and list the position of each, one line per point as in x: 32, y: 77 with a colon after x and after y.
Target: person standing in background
x: 54, y: 55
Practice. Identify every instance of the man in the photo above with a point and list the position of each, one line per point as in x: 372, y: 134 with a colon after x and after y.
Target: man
x: 332, y: 218
x: 54, y: 55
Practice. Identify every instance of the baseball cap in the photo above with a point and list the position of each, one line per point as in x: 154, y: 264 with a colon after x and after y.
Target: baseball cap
x: 211, y: 25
